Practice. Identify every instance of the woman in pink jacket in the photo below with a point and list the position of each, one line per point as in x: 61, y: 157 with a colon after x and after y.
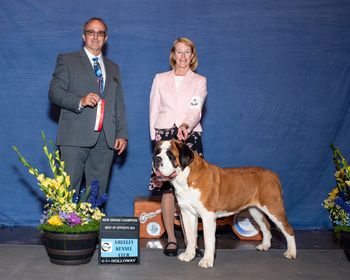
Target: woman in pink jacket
x: 176, y: 103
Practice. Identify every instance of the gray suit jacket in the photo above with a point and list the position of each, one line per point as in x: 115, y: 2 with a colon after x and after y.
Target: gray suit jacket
x: 72, y: 79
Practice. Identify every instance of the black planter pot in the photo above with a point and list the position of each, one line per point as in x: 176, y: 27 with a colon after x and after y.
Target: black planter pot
x: 70, y: 249
x: 345, y: 240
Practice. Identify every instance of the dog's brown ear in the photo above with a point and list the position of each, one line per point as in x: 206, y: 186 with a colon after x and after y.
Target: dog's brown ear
x: 157, y: 148
x: 186, y: 155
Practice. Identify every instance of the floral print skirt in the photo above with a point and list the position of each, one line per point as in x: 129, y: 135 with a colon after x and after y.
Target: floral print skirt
x: 194, y: 142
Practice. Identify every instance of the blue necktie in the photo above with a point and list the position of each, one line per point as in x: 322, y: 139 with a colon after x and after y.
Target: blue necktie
x: 98, y: 72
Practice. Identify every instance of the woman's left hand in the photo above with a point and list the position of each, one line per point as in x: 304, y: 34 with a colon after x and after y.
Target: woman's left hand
x: 182, y: 132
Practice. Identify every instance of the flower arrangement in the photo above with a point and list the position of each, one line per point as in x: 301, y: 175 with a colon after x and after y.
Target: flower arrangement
x: 338, y: 200
x: 65, y: 211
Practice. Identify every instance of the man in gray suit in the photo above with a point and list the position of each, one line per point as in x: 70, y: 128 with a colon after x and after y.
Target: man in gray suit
x: 92, y: 122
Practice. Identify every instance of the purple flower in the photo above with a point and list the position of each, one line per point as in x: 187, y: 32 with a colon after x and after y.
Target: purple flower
x: 73, y: 219
x: 44, y: 218
x: 63, y: 215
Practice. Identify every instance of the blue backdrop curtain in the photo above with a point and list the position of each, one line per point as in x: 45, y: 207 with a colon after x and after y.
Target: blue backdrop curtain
x: 278, y: 90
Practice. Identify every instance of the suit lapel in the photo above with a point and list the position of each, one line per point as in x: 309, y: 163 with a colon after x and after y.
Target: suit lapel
x: 171, y: 83
x: 88, y: 68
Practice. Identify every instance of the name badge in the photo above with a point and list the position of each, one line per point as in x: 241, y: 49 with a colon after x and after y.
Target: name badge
x: 196, y: 102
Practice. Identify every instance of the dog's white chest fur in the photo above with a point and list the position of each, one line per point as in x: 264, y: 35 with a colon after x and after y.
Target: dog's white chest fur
x: 188, y: 198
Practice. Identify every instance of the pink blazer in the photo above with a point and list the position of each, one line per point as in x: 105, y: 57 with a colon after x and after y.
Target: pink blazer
x: 170, y: 105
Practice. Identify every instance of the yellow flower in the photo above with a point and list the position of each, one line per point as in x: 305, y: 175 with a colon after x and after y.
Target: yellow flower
x: 41, y: 178
x: 333, y: 194
x: 98, y: 215
x: 339, y: 174
x: 54, y: 184
x: 55, y: 221
x: 69, y: 207
x: 67, y: 180
x: 46, y: 182
x: 60, y: 179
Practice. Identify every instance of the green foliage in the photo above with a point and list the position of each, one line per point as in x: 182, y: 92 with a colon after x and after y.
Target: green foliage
x: 338, y: 201
x: 93, y: 226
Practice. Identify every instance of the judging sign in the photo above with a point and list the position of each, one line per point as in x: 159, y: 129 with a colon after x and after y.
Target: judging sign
x: 119, y: 240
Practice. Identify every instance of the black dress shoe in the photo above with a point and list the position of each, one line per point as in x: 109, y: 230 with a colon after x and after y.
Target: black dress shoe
x: 170, y: 252
x: 199, y: 253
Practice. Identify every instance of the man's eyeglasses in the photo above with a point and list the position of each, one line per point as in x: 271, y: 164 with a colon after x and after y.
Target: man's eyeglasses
x: 92, y: 33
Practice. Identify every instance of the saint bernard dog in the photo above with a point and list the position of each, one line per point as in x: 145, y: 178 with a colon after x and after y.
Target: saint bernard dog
x: 209, y: 192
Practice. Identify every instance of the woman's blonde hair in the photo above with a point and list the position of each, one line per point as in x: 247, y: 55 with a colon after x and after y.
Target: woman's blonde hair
x: 188, y: 43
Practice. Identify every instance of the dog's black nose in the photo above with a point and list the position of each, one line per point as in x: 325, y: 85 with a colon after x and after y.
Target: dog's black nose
x: 157, y: 161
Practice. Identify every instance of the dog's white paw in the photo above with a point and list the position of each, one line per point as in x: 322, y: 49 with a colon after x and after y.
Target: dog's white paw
x: 263, y: 247
x: 186, y: 257
x: 289, y: 254
x: 206, y: 263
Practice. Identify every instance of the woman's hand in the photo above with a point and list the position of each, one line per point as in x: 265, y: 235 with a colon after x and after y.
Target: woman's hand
x: 182, y: 132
